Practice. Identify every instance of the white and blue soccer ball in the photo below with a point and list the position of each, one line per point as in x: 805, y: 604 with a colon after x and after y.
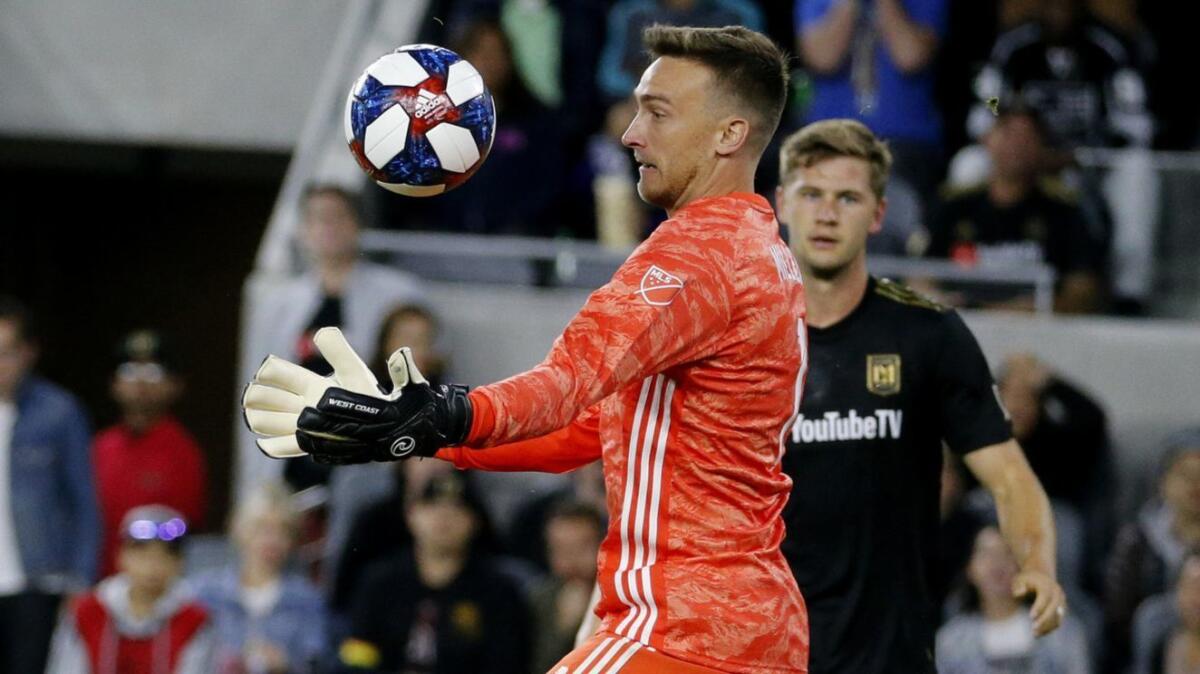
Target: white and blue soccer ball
x: 420, y: 121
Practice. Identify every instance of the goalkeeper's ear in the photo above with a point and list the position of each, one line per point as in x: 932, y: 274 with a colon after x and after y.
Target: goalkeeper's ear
x: 349, y: 370
x: 403, y: 369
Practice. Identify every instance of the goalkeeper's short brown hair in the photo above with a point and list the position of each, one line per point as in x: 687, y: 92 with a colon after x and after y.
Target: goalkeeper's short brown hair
x: 835, y: 138
x: 747, y: 65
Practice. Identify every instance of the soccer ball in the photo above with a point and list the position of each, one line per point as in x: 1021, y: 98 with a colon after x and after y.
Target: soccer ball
x: 420, y: 121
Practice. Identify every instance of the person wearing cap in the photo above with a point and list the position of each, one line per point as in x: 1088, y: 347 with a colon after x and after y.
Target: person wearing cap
x: 441, y: 605
x: 144, y: 619
x: 1149, y: 552
x: 148, y: 456
x: 49, y: 522
x: 1017, y: 217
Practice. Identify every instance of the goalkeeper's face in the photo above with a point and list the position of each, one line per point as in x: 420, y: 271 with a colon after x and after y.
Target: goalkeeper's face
x: 675, y: 131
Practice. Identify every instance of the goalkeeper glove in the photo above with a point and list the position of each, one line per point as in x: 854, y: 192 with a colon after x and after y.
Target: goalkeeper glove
x: 416, y: 419
x: 280, y: 390
x: 344, y: 418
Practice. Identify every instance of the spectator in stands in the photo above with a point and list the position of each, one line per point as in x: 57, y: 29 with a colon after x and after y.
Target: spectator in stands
x: 993, y: 633
x: 1064, y: 433
x: 623, y: 59
x: 1083, y: 78
x: 1167, y: 627
x: 144, y: 619
x: 1181, y: 653
x: 338, y: 289
x: 352, y: 489
x: 148, y: 457
x: 1149, y: 553
x: 1018, y: 217
x: 516, y: 191
x: 872, y: 60
x: 378, y: 528
x: 266, y: 619
x: 1090, y: 89
x: 414, y: 326
x: 622, y: 219
x: 527, y: 533
x: 442, y: 605
x: 960, y: 524
x: 49, y: 520
x: 573, y: 534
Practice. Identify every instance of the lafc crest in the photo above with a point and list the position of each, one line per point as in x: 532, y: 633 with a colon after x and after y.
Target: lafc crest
x: 883, y: 373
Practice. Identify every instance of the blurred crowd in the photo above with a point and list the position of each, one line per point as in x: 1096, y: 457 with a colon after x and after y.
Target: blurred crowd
x: 928, y: 76
x: 107, y: 564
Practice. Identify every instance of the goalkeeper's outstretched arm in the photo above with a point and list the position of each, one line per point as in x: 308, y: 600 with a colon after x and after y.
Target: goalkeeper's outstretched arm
x: 563, y: 450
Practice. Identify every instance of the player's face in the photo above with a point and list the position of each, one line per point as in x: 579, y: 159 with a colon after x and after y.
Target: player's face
x: 673, y: 133
x: 831, y: 210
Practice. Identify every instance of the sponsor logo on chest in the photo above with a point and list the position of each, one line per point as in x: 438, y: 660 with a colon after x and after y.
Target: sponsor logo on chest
x: 835, y: 426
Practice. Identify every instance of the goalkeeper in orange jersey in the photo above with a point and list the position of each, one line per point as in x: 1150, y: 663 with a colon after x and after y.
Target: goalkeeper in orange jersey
x: 682, y: 375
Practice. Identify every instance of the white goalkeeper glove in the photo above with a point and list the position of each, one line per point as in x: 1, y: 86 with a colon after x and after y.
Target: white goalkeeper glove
x: 281, y: 389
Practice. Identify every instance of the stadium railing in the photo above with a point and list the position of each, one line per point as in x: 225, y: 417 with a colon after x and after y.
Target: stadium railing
x: 565, y: 263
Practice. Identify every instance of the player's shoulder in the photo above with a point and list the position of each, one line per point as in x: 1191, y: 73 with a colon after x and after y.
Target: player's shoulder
x: 732, y: 212
x: 712, y: 229
x: 902, y: 298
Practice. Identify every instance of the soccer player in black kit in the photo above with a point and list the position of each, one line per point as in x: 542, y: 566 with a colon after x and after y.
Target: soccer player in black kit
x: 891, y: 376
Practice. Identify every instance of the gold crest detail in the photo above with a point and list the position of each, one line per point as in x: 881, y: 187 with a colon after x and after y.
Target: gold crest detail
x: 883, y: 373
x: 467, y: 620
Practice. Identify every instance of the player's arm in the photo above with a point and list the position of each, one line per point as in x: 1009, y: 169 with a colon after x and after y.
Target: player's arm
x: 558, y: 452
x: 1027, y: 524
x: 976, y: 425
x: 668, y: 303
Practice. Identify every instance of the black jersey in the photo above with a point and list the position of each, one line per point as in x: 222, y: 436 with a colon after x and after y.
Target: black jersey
x: 885, y: 387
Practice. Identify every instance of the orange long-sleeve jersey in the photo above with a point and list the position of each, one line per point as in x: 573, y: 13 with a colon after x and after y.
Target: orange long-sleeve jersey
x: 682, y: 374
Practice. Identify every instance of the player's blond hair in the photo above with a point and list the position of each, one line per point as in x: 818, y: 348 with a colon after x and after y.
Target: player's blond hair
x: 748, y: 66
x: 835, y: 138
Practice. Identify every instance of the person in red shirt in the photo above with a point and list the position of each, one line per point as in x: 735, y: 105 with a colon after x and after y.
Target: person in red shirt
x: 682, y: 375
x: 149, y: 457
